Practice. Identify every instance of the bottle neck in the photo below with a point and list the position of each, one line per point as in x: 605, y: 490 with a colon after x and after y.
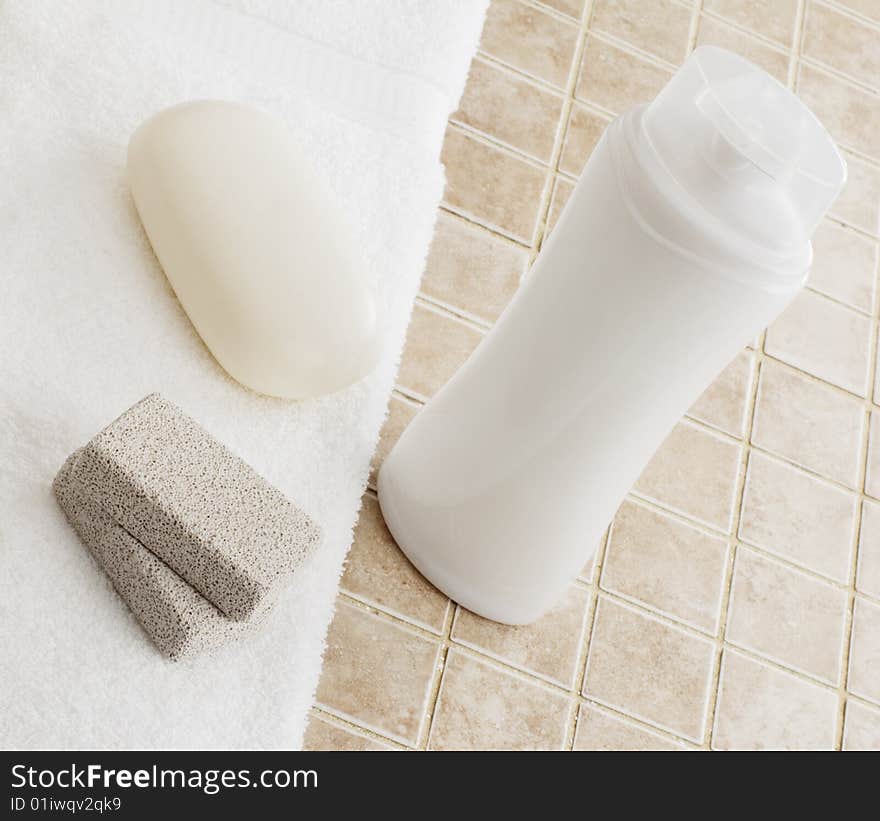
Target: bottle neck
x: 698, y: 200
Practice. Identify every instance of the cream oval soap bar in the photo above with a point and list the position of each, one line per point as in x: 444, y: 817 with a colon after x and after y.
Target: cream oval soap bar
x: 255, y: 247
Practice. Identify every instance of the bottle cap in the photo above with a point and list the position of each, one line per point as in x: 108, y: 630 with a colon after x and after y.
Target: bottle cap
x: 761, y: 161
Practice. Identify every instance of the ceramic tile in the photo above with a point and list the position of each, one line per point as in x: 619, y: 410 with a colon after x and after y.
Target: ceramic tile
x: 585, y: 127
x: 548, y: 648
x: 842, y: 43
x: 859, y: 202
x: 616, y: 79
x: 808, y: 423
x: 436, y: 346
x: 875, y: 398
x: 872, y: 475
x: 376, y: 572
x: 376, y: 673
x: 798, y: 517
x: 786, y: 615
x: 771, y: 18
x: 491, y: 186
x: 713, y: 32
x: 562, y: 189
x: 323, y: 736
x: 862, y: 729
x: 573, y: 8
x: 693, y: 472
x: 659, y: 28
x: 644, y: 667
x: 867, y: 8
x: 762, y: 708
x: 666, y: 565
x: 868, y: 578
x: 530, y: 40
x: 844, y: 265
x: 510, y: 109
x: 723, y: 403
x: 472, y: 269
x: 847, y: 111
x: 400, y: 414
x: 602, y: 731
x: 481, y: 707
x: 586, y: 573
x: 864, y: 654
x: 823, y: 338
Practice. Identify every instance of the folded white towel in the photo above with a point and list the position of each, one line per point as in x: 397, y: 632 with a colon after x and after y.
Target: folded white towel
x: 89, y: 325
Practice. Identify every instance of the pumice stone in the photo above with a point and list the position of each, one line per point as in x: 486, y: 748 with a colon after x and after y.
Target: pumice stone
x: 197, y: 542
x: 255, y: 247
x: 180, y: 621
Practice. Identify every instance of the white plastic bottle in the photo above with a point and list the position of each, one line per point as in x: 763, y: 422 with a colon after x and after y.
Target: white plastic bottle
x: 688, y: 232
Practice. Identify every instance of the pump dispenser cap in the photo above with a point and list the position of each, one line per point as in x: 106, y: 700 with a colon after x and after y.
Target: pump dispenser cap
x: 763, y: 164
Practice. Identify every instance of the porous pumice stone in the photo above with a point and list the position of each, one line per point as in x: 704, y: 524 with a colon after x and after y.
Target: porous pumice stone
x: 194, y: 539
x: 256, y: 247
x: 181, y: 622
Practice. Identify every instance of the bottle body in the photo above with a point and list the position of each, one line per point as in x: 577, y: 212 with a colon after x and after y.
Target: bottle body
x: 501, y: 487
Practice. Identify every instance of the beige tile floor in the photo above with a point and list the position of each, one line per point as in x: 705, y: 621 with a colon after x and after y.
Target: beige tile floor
x: 736, y: 601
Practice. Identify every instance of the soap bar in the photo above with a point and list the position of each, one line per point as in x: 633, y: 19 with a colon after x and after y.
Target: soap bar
x: 180, y: 621
x: 199, y: 508
x: 256, y: 248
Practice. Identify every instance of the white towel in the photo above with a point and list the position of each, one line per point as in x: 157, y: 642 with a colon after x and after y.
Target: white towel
x: 89, y: 325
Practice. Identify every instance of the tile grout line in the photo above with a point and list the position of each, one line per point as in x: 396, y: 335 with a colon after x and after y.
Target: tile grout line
x: 796, y: 45
x: 497, y: 142
x: 727, y: 589
x: 846, y: 650
x: 837, y: 301
x: 797, y: 568
x: 694, y: 27
x: 762, y: 39
x: 550, y: 11
x: 438, y: 308
x: 625, y: 45
x: 781, y: 667
x: 586, y: 640
x: 852, y: 14
x: 454, y: 312
x: 727, y: 585
x: 833, y: 73
x: 346, y: 724
x: 870, y: 160
x: 492, y: 141
x: 427, y: 721
x: 520, y: 73
x: 574, y: 71
x: 642, y: 723
x: 794, y: 77
x: 497, y: 235
x: 828, y: 68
